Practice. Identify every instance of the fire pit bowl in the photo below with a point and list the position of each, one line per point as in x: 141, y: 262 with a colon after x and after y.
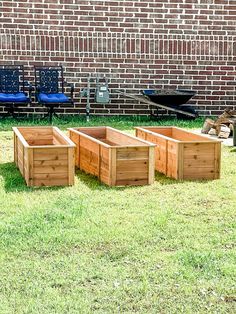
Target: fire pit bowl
x: 171, y: 98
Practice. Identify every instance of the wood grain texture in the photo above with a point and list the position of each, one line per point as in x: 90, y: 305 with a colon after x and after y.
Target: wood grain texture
x: 114, y: 157
x: 44, y: 155
x: 151, y: 167
x: 182, y: 154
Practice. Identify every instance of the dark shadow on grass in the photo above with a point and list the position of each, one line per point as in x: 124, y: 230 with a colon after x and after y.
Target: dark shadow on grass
x: 93, y: 182
x: 232, y: 149
x: 14, y: 182
x: 164, y: 180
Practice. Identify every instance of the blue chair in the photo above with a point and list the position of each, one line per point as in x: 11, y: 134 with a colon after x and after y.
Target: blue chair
x: 13, y: 88
x: 50, y: 88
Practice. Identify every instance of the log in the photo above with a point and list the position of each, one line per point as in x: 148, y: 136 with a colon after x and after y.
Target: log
x: 224, y: 119
x: 224, y: 131
x: 208, y: 124
x: 212, y: 131
x: 225, y: 116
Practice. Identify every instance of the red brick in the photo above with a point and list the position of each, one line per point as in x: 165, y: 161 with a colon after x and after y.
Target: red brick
x: 144, y: 44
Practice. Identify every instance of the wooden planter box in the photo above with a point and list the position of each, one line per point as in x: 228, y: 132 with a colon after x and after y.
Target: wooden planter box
x: 183, y: 155
x: 44, y: 156
x: 114, y: 157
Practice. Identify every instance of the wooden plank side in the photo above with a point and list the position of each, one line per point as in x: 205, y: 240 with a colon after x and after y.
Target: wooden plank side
x: 26, y: 165
x: 133, y: 153
x: 50, y: 176
x: 160, y: 152
x: 71, y: 165
x: 195, y: 150
x: 199, y: 160
x: 75, y: 137
x: 141, y: 133
x: 217, y: 160
x: 89, y: 145
x: 42, y: 129
x: 180, y: 161
x: 183, y: 135
x: 57, y: 138
x: 113, y: 166
x: 40, y: 142
x: 21, y: 166
x: 95, y: 132
x: 20, y: 150
x: 51, y: 182
x: 132, y: 165
x: 89, y: 160
x: 131, y: 175
x: 166, y: 131
x: 20, y: 147
x: 42, y: 136
x: 50, y: 153
x: 200, y: 172
x: 20, y: 136
x: 51, y: 169
x: 122, y: 139
x: 199, y: 176
x: 43, y: 165
x: 105, y: 164
x: 188, y: 136
x: 100, y: 157
x: 86, y: 136
x: 132, y: 182
x: 106, y: 141
x: 172, y: 154
x: 37, y: 135
x: 151, y: 165
x: 40, y: 163
x: 141, y: 164
x: 30, y: 166
x: 196, y: 154
x: 50, y: 166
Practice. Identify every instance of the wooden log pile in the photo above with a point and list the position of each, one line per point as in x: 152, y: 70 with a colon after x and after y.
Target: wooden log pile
x: 222, y: 126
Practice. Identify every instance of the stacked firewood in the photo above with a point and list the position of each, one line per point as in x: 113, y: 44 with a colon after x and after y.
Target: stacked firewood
x: 222, y: 126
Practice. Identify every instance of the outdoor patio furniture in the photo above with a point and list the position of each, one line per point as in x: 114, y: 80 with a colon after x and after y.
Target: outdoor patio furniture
x: 13, y: 88
x: 50, y: 88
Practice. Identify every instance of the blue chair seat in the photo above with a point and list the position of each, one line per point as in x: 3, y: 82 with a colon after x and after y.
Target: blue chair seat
x: 53, y: 98
x: 17, y: 97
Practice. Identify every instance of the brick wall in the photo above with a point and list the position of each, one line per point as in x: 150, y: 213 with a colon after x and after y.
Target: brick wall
x: 138, y: 44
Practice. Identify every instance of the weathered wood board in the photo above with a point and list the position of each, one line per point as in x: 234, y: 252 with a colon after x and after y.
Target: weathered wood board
x: 116, y: 158
x: 181, y: 154
x: 44, y: 156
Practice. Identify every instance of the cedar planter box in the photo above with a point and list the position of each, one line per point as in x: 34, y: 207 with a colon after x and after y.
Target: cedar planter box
x: 183, y: 155
x: 44, y: 156
x: 116, y: 158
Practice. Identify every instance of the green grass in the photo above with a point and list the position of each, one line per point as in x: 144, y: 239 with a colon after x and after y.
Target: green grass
x: 164, y: 248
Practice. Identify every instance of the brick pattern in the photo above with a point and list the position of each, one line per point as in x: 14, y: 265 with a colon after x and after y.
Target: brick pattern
x: 137, y: 44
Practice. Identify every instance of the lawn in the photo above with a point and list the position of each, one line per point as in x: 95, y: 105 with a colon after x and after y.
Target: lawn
x: 164, y: 248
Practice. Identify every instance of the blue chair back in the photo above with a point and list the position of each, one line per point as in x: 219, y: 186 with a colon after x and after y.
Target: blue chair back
x: 11, y: 79
x: 49, y: 80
